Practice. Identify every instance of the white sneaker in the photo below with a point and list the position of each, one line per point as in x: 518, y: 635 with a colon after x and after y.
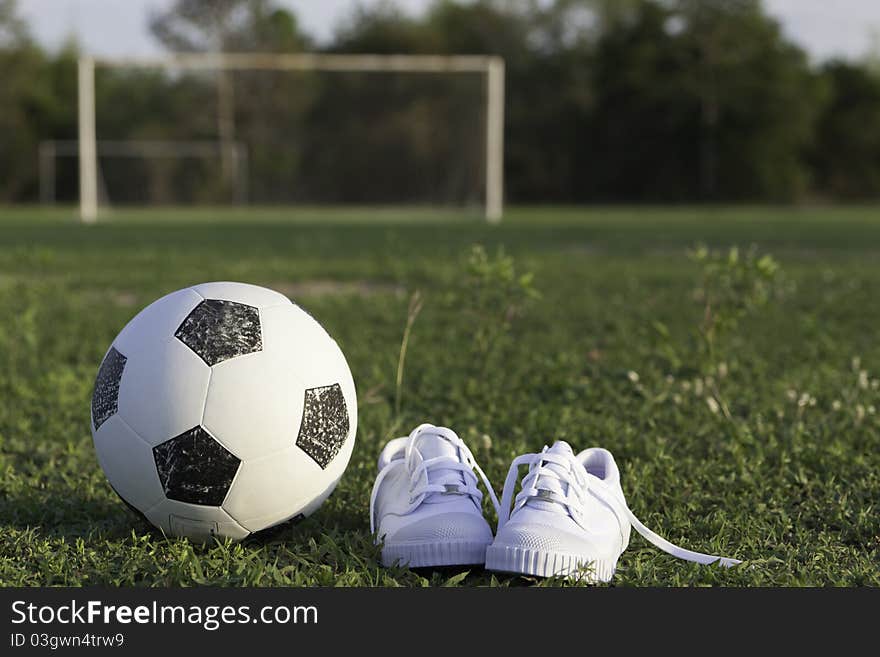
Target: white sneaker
x: 570, y: 518
x: 426, y: 503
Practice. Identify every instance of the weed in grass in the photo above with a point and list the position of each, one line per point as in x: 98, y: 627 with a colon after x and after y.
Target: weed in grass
x: 415, y: 307
x: 490, y: 296
x: 732, y: 286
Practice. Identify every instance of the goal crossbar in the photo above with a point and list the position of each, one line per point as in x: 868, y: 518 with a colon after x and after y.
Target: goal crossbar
x: 309, y: 62
x: 490, y: 66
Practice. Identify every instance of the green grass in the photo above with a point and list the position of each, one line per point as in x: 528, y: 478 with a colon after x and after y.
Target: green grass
x: 789, y: 482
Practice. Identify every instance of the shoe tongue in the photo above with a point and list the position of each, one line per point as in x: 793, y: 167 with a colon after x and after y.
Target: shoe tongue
x: 430, y: 446
x: 559, y: 447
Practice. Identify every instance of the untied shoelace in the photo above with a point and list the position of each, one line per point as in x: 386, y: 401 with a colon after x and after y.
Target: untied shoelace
x: 579, y: 484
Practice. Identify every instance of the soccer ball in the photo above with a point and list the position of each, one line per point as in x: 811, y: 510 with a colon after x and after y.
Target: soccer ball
x: 223, y: 409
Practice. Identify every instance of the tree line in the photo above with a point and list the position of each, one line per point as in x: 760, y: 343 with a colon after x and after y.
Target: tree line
x: 607, y: 101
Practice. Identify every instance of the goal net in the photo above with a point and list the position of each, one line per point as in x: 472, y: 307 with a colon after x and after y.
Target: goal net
x: 145, y: 171
x: 276, y: 129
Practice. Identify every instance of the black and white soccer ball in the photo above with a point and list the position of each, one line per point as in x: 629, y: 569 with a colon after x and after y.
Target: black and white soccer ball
x: 223, y: 409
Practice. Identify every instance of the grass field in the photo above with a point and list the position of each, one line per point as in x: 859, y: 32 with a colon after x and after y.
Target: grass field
x: 767, y: 448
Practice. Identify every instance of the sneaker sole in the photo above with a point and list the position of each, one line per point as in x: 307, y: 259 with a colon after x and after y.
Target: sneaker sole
x: 543, y: 563
x: 423, y: 555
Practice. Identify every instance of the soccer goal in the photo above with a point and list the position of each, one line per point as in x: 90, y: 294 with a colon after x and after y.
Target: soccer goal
x: 482, y: 123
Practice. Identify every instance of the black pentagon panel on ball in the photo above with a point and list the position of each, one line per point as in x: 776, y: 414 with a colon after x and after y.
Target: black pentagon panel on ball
x: 195, y: 468
x: 105, y: 398
x: 218, y: 330
x: 324, y: 426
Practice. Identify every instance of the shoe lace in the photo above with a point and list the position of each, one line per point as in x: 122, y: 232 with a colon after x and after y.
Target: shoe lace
x: 424, y: 479
x: 570, y: 485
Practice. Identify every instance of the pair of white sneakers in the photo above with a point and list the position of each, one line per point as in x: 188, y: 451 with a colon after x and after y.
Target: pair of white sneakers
x: 569, y: 519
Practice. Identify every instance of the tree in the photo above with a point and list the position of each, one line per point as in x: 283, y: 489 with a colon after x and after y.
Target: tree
x: 846, y: 156
x: 227, y: 26
x: 547, y: 77
x: 13, y: 31
x: 699, y: 100
x: 758, y: 98
x: 35, y: 103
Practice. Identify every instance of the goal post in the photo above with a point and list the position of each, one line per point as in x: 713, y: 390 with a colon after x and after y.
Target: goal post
x: 491, y: 67
x: 88, y: 154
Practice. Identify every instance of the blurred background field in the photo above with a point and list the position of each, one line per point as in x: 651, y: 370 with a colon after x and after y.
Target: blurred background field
x: 686, y: 273
x: 606, y: 101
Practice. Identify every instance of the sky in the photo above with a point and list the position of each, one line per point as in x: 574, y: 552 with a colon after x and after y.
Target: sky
x: 825, y: 28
